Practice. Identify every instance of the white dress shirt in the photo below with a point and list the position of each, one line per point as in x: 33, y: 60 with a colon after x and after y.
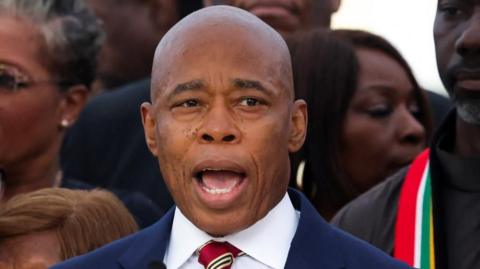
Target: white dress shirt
x: 266, y: 243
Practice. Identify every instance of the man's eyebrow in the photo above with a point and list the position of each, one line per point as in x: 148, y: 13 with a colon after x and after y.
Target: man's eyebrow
x: 190, y: 85
x: 250, y: 84
x: 187, y: 86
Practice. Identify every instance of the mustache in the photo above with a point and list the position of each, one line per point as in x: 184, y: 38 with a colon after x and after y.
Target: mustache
x: 465, y: 66
x: 463, y: 69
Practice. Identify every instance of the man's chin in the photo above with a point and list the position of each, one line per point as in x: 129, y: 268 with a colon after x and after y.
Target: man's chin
x: 468, y: 110
x: 223, y: 228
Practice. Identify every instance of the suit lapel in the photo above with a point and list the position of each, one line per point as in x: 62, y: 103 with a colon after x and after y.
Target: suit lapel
x: 150, y: 244
x: 314, y: 244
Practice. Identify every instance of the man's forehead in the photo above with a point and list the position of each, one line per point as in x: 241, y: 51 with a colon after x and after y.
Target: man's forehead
x: 204, y: 71
x: 220, y: 33
x: 218, y: 81
x: 238, y: 41
x: 219, y: 20
x: 234, y: 57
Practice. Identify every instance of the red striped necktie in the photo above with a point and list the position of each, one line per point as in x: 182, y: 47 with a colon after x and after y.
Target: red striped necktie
x: 218, y: 255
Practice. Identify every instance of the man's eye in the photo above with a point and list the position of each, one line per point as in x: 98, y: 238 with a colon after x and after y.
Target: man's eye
x: 189, y: 103
x: 249, y: 102
x: 451, y: 11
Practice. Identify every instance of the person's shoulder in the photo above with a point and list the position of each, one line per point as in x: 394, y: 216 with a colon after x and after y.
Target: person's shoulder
x: 372, y: 216
x: 375, y: 201
x: 359, y: 254
x: 323, y: 245
x: 439, y: 101
x: 145, y: 211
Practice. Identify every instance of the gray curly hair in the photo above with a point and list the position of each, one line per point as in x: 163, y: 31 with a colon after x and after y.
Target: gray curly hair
x: 72, y: 34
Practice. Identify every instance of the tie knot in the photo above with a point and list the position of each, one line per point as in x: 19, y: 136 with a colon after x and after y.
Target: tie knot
x: 216, y: 255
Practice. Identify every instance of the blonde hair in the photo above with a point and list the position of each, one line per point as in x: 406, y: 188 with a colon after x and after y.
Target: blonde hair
x: 83, y: 220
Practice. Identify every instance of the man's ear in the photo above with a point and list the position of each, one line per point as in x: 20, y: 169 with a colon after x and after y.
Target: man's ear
x: 72, y: 102
x: 149, y: 126
x: 298, y: 130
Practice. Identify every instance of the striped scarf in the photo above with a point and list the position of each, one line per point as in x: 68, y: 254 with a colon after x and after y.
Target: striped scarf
x: 414, y: 237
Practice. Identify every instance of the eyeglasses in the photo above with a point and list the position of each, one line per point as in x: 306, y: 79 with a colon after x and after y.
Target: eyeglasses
x: 11, y: 78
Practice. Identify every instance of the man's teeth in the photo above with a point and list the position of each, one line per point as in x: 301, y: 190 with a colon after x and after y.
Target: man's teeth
x: 217, y: 191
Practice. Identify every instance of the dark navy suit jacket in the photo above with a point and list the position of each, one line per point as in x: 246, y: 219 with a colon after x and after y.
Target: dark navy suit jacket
x: 316, y: 244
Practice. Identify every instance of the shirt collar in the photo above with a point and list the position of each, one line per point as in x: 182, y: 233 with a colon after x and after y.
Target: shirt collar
x: 267, y: 241
x: 184, y: 240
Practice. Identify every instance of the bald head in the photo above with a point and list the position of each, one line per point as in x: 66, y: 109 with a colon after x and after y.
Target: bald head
x: 222, y: 33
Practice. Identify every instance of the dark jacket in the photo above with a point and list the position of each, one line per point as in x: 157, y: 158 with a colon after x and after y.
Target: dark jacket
x: 106, y: 147
x: 372, y: 216
x: 143, y: 209
x: 316, y: 244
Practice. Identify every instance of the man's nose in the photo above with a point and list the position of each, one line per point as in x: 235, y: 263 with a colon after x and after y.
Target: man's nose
x: 219, y: 127
x: 469, y: 41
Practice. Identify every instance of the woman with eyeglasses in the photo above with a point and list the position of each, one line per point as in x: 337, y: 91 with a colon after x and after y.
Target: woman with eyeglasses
x: 48, y: 51
x: 47, y: 62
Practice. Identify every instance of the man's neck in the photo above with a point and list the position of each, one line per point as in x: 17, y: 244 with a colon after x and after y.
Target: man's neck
x: 467, y: 139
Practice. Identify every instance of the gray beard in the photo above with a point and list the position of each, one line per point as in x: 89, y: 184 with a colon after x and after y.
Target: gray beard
x: 468, y: 110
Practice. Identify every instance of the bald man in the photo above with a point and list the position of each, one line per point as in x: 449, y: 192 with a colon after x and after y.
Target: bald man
x: 222, y: 123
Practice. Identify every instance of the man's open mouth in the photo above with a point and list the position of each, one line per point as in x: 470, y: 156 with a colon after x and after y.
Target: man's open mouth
x: 219, y: 181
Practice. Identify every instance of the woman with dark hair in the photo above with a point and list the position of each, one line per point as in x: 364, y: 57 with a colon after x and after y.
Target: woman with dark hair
x: 368, y: 116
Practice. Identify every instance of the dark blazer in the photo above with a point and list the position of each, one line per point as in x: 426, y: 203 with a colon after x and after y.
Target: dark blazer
x: 141, y: 207
x: 372, y: 216
x: 106, y: 147
x: 316, y: 244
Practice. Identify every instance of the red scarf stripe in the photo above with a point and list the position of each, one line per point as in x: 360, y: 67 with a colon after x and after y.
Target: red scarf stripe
x: 406, y: 218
